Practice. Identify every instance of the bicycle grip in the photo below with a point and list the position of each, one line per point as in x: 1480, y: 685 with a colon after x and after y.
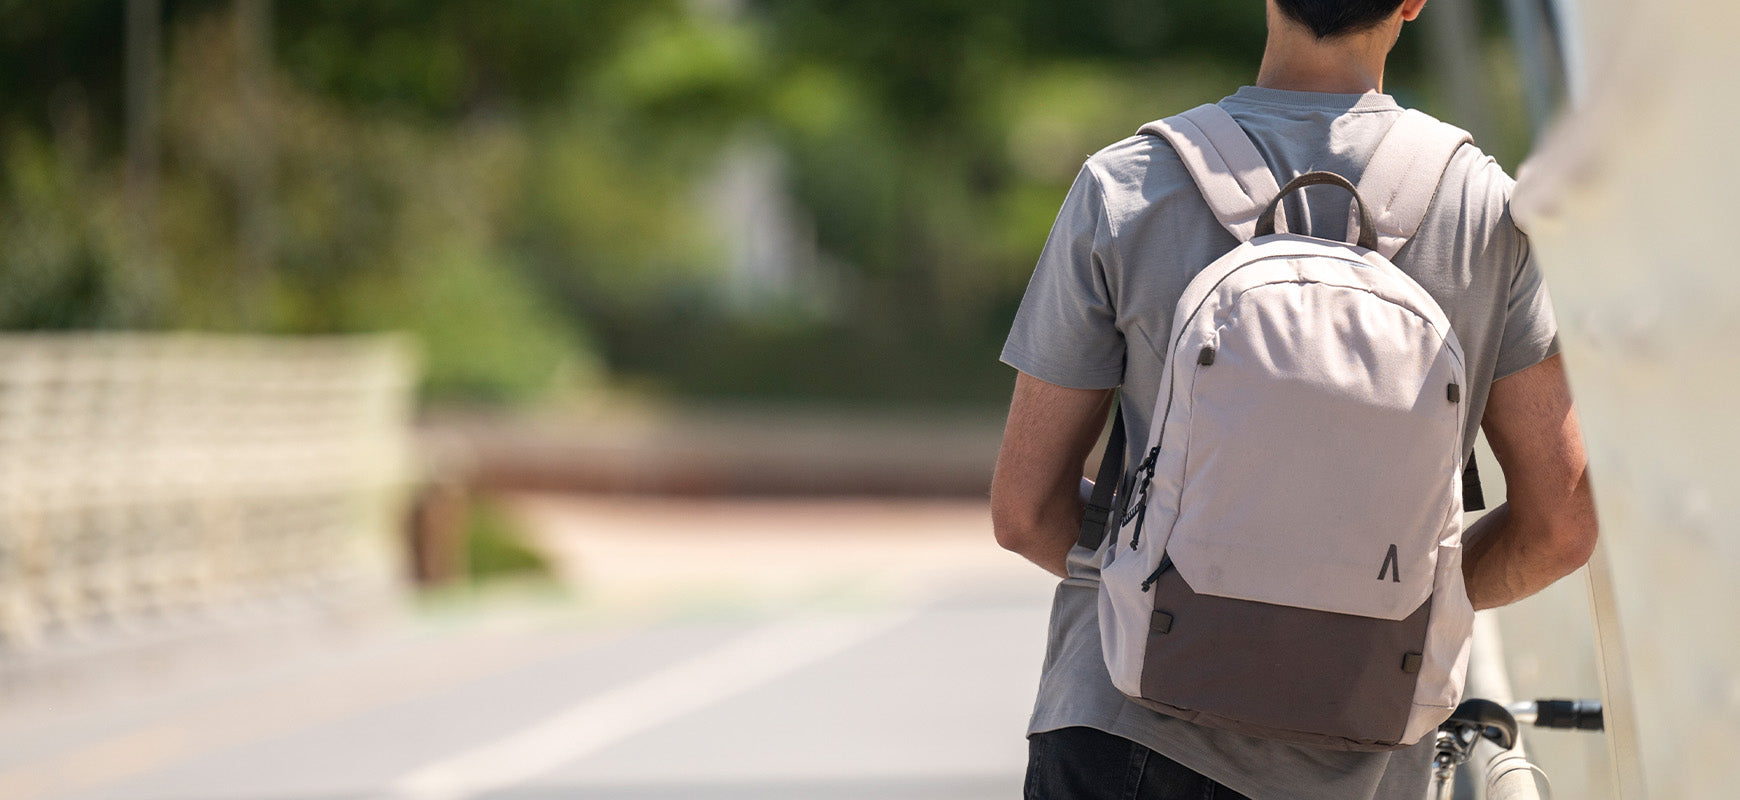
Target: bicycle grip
x: 1583, y: 715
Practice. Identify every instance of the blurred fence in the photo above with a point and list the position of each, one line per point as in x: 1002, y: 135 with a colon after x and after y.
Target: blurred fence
x: 147, y: 477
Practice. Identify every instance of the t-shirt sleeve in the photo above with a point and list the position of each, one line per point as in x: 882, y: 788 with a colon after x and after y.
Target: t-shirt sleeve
x: 1531, y: 331
x: 1066, y: 329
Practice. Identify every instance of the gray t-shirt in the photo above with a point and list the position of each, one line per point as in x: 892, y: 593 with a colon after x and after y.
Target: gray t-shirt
x: 1132, y: 233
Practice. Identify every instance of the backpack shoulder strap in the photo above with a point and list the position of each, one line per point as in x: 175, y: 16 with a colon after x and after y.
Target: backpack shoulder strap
x: 1402, y: 178
x: 1228, y: 170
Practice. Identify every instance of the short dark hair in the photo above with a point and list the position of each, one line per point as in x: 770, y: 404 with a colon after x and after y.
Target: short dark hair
x: 1328, y: 18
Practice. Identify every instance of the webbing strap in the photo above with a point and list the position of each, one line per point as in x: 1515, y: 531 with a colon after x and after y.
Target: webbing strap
x: 1473, y: 499
x: 1228, y: 170
x: 1403, y: 175
x: 1099, y: 506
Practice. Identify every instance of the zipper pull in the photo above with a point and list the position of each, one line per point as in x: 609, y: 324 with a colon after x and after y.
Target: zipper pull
x: 1165, y: 564
x: 1141, y: 516
x: 1141, y: 499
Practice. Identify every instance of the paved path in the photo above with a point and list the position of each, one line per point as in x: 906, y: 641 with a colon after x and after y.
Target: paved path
x: 760, y: 650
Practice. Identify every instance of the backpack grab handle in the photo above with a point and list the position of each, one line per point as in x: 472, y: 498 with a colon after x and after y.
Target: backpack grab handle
x: 1367, y: 234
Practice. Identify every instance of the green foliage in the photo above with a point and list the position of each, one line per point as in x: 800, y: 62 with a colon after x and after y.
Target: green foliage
x: 376, y: 221
x: 495, y: 545
x: 450, y: 58
x: 487, y: 336
x: 59, y: 252
x: 530, y: 187
x: 684, y: 70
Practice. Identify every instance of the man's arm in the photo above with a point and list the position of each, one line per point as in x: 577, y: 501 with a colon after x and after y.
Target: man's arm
x: 1546, y: 529
x: 1035, y: 505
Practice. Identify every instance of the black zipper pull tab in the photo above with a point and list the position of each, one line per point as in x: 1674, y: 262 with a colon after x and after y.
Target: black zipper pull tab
x: 1141, y: 516
x: 1165, y: 564
x: 1145, y: 472
x: 1141, y: 499
x: 1148, y: 463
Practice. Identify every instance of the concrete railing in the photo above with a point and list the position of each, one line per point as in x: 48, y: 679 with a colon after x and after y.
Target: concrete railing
x: 145, y: 477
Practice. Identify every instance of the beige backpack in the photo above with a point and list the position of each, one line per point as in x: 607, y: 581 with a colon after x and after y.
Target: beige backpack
x: 1289, y: 561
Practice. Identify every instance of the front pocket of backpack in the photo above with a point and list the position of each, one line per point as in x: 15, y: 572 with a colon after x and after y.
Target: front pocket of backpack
x: 1321, y: 459
x: 1274, y: 668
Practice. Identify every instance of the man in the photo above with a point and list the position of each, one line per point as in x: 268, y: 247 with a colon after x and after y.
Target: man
x: 1131, y: 234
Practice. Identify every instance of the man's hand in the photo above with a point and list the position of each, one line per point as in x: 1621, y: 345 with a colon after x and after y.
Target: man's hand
x: 1035, y: 505
x: 1546, y: 529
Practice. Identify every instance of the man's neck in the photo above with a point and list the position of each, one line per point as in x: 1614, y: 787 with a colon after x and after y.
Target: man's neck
x: 1296, y: 60
x: 1302, y: 78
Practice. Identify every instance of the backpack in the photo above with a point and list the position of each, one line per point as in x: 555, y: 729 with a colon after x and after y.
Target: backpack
x: 1288, y: 561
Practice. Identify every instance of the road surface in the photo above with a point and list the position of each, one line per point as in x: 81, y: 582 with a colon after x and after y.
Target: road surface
x: 707, y: 650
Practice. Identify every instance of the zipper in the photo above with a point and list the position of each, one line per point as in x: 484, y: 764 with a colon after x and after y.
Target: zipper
x: 1141, y: 499
x: 1148, y: 464
x: 1171, y: 390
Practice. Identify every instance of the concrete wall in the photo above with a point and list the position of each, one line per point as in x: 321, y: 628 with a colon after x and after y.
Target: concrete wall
x: 152, y: 480
x: 1629, y: 205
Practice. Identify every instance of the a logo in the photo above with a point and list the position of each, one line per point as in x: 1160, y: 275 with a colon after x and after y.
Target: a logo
x: 1392, y: 566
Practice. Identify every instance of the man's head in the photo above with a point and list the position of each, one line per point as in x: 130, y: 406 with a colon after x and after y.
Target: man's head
x: 1334, y: 46
x: 1329, y: 18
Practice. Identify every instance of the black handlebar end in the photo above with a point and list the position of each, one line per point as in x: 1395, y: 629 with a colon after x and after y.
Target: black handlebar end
x: 1584, y: 715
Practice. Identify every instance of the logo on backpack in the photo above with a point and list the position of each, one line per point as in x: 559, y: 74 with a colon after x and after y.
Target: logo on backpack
x: 1392, y: 566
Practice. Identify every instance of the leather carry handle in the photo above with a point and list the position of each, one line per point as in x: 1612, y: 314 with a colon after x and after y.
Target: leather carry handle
x: 1367, y: 234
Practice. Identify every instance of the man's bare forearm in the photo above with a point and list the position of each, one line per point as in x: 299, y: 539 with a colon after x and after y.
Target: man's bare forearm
x: 1036, y: 502
x: 1504, y: 561
x: 1046, y: 537
x: 1049, y: 552
x: 1547, y: 528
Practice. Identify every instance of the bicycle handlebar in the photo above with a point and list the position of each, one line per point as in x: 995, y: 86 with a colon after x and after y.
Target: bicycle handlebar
x: 1479, y: 723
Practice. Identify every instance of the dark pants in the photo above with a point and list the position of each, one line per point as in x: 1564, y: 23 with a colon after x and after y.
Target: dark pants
x: 1086, y: 764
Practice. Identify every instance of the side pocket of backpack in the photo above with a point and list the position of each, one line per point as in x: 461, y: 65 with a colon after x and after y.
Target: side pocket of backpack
x: 1444, y: 662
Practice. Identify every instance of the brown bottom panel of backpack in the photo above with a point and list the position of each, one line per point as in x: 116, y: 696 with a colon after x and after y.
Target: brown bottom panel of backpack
x: 1314, y: 677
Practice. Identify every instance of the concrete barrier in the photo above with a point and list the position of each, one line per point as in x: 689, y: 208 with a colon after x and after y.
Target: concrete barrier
x: 156, y: 477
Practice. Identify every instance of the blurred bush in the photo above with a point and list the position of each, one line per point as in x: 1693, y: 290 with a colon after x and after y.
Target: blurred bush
x: 496, y: 545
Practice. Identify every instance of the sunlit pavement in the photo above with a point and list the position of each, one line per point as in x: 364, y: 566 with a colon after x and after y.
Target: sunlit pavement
x: 762, y: 649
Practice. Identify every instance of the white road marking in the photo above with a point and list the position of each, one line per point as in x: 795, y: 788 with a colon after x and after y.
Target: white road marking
x: 737, y: 666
